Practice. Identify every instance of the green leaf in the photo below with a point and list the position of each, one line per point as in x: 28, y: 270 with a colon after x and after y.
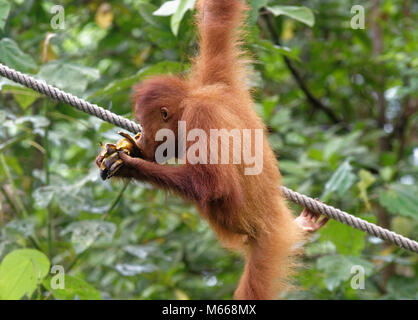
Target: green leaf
x: 400, y: 199
x: 43, y: 196
x: 292, y: 168
x: 21, y: 271
x: 337, y: 269
x: 255, y: 5
x: 341, y: 180
x: 176, y: 18
x: 4, y: 12
x: 268, y: 106
x: 347, y: 240
x: 402, y: 288
x: 302, y: 14
x: 13, y: 57
x: 404, y: 226
x: 320, y: 248
x: 146, y: 11
x: 24, y: 228
x: 25, y: 97
x: 71, y: 202
x: 271, y: 48
x: 85, y: 233
x: 164, y: 67
x: 68, y: 77
x: 74, y: 288
x: 316, y: 154
x: 280, y: 118
x: 37, y: 121
x: 129, y: 269
x: 168, y: 8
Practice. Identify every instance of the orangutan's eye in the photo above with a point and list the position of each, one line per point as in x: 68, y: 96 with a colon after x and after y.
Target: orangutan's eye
x: 164, y: 113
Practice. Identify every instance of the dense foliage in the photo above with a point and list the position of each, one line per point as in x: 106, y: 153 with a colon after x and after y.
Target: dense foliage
x: 340, y: 104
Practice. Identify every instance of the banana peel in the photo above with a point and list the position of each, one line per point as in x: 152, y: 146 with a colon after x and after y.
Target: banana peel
x: 110, y: 152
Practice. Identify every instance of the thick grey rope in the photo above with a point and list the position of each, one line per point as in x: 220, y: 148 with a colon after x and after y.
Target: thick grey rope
x: 68, y: 98
x: 350, y: 220
x: 307, y: 202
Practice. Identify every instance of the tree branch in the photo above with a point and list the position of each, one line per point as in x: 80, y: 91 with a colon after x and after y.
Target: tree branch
x: 314, y: 101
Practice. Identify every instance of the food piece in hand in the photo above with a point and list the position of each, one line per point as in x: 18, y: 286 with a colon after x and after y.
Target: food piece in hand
x: 128, y: 144
x: 111, y: 162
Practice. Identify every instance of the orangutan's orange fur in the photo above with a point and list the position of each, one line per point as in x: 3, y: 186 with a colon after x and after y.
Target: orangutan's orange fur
x: 247, y: 212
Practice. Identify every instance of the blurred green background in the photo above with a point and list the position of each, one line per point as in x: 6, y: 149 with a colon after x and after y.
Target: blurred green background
x: 340, y: 104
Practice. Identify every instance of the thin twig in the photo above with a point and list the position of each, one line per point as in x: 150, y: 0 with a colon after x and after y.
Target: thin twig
x: 315, y: 102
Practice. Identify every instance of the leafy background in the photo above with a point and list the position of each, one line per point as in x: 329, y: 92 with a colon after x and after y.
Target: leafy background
x: 340, y: 104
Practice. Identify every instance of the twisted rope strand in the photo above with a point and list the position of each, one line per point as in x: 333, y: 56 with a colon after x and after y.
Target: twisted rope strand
x: 307, y: 202
x: 70, y: 99
x: 350, y: 220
